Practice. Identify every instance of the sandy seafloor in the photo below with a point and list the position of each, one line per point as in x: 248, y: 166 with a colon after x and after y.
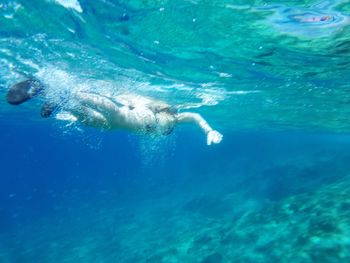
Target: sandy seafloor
x: 270, y: 197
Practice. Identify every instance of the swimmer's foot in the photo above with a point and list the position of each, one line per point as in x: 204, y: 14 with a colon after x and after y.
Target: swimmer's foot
x: 23, y: 91
x: 47, y: 109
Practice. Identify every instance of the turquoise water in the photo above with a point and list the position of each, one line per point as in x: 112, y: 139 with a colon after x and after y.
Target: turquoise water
x: 271, y: 76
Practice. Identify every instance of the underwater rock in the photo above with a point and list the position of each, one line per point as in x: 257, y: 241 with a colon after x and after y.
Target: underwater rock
x: 310, y: 227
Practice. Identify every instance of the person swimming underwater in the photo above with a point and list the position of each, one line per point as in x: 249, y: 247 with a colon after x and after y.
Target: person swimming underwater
x: 129, y: 111
x: 313, y: 19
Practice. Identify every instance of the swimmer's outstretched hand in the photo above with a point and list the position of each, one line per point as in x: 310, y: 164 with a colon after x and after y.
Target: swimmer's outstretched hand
x: 214, y: 137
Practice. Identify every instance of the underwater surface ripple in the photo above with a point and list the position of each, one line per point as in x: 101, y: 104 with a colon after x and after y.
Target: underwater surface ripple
x: 298, y: 52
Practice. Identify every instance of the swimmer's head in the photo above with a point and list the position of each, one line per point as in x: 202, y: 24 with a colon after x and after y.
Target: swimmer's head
x: 325, y: 18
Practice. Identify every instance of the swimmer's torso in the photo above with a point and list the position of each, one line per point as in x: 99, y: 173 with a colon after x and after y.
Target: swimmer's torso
x: 130, y: 112
x: 143, y: 119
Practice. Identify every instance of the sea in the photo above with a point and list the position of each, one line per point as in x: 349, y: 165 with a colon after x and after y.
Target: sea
x: 272, y: 76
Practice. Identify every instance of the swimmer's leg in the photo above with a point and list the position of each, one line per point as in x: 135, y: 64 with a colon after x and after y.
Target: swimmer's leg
x: 24, y: 91
x: 90, y: 117
x: 97, y: 103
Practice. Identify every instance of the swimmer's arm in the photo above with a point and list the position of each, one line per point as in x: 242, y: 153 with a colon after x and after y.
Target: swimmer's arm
x: 212, y: 135
x: 194, y: 117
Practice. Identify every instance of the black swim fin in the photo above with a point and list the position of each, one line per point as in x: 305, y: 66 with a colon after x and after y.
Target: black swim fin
x: 23, y: 91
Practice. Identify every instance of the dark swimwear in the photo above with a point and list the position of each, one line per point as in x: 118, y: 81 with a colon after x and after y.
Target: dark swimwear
x: 24, y: 91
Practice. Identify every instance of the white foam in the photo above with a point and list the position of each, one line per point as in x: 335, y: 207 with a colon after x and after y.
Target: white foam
x: 224, y: 75
x: 30, y: 64
x: 73, y: 4
x: 71, y: 30
x: 237, y: 7
x: 8, y: 16
x: 243, y: 92
x: 62, y: 85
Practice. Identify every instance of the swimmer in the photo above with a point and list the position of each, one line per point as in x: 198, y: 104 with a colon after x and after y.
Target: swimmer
x: 313, y: 19
x: 130, y: 112
x: 316, y: 21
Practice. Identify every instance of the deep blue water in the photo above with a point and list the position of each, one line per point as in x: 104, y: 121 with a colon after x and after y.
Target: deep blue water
x: 59, y: 182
